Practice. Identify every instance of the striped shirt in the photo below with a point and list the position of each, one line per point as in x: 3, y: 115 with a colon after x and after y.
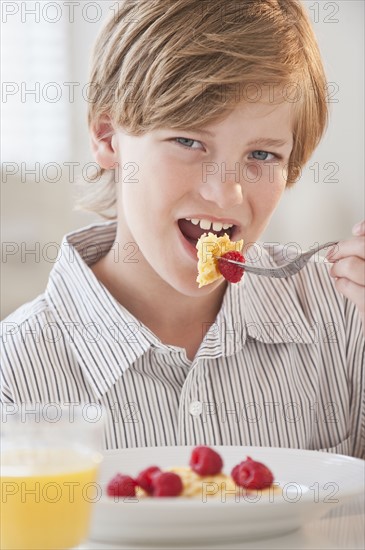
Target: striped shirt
x: 281, y: 366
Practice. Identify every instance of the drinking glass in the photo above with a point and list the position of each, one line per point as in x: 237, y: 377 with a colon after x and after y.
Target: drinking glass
x: 48, y: 477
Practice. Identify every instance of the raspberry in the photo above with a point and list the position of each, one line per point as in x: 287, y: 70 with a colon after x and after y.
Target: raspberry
x: 144, y: 478
x: 204, y: 461
x: 121, y: 486
x: 252, y: 475
x: 232, y: 272
x: 166, y: 484
x: 234, y: 473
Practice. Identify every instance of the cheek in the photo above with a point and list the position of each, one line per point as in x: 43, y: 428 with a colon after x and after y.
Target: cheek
x: 169, y: 179
x: 152, y: 191
x: 265, y: 194
x: 275, y: 193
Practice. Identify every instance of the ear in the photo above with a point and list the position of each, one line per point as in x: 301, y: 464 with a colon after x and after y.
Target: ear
x: 104, y: 142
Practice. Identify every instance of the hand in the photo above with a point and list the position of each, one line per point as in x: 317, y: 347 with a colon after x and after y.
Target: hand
x: 348, y: 269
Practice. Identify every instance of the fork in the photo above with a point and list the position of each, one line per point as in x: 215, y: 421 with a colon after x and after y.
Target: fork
x: 287, y: 270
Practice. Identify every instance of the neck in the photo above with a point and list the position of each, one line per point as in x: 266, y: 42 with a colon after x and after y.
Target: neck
x: 163, y: 309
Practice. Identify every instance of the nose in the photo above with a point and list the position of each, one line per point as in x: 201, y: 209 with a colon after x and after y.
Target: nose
x: 221, y: 183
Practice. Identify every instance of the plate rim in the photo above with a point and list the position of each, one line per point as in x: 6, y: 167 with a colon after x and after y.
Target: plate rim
x: 291, y: 450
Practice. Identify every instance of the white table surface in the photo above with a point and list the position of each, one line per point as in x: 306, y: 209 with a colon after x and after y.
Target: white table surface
x: 342, y: 527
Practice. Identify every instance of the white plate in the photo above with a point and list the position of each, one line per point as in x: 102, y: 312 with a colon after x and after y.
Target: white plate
x: 310, y: 484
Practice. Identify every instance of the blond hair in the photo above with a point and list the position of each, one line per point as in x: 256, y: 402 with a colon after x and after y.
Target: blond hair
x: 186, y: 63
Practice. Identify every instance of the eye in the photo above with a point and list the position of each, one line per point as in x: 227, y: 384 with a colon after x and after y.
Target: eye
x: 262, y: 155
x: 187, y: 142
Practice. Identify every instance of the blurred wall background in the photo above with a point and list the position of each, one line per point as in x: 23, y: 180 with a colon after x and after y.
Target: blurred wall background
x: 51, y: 43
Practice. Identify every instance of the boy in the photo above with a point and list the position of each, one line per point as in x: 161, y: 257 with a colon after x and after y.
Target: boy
x: 203, y: 114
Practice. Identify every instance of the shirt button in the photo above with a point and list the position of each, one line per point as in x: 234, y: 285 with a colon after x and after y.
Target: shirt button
x: 195, y: 408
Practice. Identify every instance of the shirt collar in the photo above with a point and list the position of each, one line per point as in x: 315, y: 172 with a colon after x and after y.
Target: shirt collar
x: 273, y: 307
x: 257, y: 309
x: 227, y: 335
x: 105, y: 337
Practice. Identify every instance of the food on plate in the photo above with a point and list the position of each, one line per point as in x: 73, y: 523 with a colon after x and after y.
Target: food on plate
x: 204, y: 470
x: 252, y: 475
x: 122, y: 485
x: 166, y: 484
x: 195, y: 485
x: 210, y: 248
x: 205, y: 461
x: 144, y: 478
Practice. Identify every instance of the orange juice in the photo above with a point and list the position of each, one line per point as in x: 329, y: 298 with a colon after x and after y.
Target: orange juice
x: 46, y: 498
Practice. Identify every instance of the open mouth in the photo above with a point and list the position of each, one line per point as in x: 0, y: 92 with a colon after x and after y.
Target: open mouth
x: 192, y: 232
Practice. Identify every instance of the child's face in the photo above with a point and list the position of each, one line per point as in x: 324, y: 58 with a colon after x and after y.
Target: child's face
x: 223, y: 176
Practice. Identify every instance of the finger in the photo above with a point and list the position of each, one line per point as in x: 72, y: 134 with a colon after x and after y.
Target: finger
x: 349, y: 247
x: 355, y: 293
x: 359, y: 228
x: 352, y: 268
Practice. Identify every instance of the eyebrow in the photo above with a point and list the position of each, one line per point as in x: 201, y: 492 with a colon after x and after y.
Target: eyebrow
x: 205, y: 132
x: 268, y: 142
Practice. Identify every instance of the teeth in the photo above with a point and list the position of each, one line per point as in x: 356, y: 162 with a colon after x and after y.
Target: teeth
x: 217, y: 226
x: 207, y: 225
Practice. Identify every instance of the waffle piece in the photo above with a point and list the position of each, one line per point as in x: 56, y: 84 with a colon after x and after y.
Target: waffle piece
x: 209, y: 246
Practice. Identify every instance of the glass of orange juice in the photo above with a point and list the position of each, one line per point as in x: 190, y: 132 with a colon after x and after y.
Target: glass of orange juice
x: 48, y: 478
